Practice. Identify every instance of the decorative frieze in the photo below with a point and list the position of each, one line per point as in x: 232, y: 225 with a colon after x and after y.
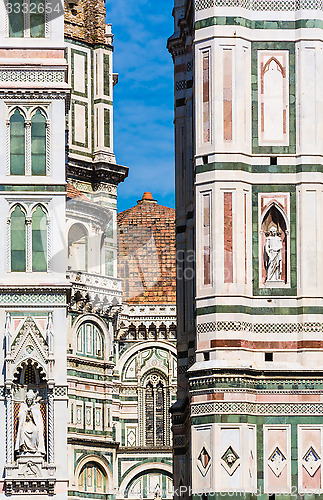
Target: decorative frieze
x: 257, y: 408
x: 259, y: 328
x: 28, y: 76
x: 28, y: 299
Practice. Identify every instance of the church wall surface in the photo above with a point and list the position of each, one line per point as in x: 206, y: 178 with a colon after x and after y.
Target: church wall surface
x: 34, y: 287
x: 87, y: 380
x: 250, y: 409
x: 146, y: 352
x: 107, y: 451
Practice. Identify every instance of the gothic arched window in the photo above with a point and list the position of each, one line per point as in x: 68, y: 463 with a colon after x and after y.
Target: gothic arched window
x: 26, y: 22
x: 89, y: 341
x: 18, y: 240
x: 17, y: 143
x: 39, y: 240
x: 92, y: 479
x: 37, y: 20
x: 155, y: 411
x: 78, y: 248
x: 38, y: 144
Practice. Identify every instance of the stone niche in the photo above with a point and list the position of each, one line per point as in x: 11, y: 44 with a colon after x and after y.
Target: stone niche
x: 29, y: 400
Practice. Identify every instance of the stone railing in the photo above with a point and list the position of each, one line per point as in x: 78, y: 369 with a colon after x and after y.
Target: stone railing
x: 94, y: 292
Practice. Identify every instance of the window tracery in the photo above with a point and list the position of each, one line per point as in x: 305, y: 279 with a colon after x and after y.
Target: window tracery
x: 78, y: 248
x: 155, y: 405
x: 28, y: 142
x: 17, y: 143
x: 27, y: 18
x: 28, y: 239
x: 92, y: 479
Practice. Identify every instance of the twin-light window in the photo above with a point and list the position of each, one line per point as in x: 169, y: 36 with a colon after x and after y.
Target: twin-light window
x: 27, y: 18
x: 28, y: 143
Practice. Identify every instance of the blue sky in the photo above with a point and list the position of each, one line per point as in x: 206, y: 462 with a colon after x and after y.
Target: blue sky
x: 143, y: 98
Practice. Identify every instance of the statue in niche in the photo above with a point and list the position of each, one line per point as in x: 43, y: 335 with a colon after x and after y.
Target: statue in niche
x: 273, y: 255
x: 30, y: 435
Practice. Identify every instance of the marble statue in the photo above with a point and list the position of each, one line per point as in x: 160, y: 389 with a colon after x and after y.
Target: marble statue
x: 30, y: 435
x: 273, y: 256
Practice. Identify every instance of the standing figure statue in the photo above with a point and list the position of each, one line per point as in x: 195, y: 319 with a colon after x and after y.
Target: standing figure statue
x: 30, y: 435
x: 273, y: 256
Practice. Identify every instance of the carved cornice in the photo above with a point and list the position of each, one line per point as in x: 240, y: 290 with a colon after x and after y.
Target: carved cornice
x: 96, y: 172
x: 37, y: 93
x: 92, y: 442
x: 105, y: 365
x: 146, y: 449
x: 177, y: 42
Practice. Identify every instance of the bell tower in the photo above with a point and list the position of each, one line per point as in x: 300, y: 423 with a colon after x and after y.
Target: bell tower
x: 33, y: 96
x: 249, y: 413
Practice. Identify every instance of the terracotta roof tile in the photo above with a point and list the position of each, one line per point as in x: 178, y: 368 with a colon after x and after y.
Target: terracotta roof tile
x: 74, y: 193
x: 146, y: 252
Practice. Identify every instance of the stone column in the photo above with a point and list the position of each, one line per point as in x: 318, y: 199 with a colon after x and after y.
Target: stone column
x: 28, y: 147
x: 50, y: 414
x: 29, y: 244
x: 9, y: 426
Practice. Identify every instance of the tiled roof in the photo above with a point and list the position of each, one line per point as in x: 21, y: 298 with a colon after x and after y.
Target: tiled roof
x: 146, y: 252
x: 74, y: 193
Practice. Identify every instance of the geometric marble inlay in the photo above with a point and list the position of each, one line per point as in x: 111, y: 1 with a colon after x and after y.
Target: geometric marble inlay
x: 204, y: 458
x: 230, y: 460
x: 277, y: 462
x: 311, y: 461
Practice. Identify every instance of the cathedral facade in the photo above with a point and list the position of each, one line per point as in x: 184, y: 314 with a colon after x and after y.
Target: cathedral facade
x: 88, y: 370
x: 248, y: 124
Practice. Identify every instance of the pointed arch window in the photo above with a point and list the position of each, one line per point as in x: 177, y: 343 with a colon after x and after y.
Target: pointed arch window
x: 16, y: 18
x: 17, y: 143
x: 92, y: 479
x: 28, y: 142
x: 38, y: 144
x: 89, y: 341
x: 155, y: 414
x: 78, y: 248
x: 27, y: 22
x: 39, y: 240
x: 28, y: 238
x: 37, y: 19
x: 18, y: 240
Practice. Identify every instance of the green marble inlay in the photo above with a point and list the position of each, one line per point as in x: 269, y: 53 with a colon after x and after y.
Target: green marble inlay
x: 262, y: 311
x: 103, y: 101
x: 106, y: 74
x: 257, y: 384
x: 258, y: 24
x: 83, y: 54
x: 106, y: 128
x: 259, y: 169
